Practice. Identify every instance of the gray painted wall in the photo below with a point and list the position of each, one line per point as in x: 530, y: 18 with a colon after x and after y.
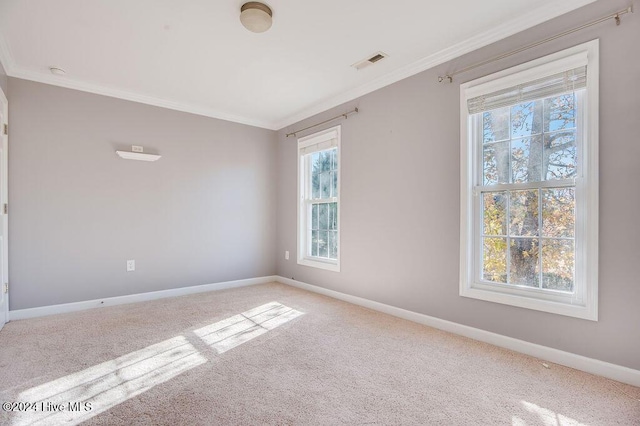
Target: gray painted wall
x: 3, y: 80
x: 203, y: 213
x: 400, y: 197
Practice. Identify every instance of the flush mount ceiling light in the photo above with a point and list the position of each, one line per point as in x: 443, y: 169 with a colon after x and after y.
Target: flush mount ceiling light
x: 256, y: 16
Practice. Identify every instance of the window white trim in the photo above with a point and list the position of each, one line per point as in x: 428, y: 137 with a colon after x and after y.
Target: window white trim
x: 585, y: 303
x: 319, y: 141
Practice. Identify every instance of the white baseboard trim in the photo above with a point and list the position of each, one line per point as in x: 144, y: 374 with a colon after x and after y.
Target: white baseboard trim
x: 579, y: 362
x: 133, y: 298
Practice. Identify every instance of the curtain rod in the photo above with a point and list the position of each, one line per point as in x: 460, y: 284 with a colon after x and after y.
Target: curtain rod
x: 345, y: 115
x: 448, y: 78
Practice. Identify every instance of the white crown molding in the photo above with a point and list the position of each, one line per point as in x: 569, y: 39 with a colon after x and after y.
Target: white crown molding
x: 97, y: 89
x: 64, y: 308
x: 568, y: 359
x: 532, y: 18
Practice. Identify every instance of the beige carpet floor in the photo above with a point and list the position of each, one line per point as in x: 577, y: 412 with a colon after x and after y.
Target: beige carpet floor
x: 272, y: 354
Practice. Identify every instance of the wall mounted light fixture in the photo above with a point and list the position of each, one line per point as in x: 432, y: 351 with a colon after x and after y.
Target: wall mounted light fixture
x: 137, y: 153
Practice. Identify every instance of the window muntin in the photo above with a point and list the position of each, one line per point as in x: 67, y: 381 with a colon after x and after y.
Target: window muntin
x: 318, y: 210
x: 529, y: 184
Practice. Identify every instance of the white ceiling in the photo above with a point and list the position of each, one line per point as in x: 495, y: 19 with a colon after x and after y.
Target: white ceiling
x: 195, y: 55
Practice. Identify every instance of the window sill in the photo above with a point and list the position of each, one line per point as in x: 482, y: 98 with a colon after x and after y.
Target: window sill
x: 321, y: 264
x: 583, y: 311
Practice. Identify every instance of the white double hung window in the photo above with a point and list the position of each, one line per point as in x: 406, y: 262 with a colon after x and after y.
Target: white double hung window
x: 529, y: 160
x: 319, y: 200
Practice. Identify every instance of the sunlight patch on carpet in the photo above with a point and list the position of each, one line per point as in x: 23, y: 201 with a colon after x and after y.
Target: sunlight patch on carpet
x: 108, y: 384
x: 79, y: 396
x: 545, y: 416
x: 238, y: 329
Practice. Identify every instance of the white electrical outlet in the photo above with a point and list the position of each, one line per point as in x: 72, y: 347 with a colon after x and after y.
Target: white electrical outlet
x: 131, y: 265
x: 286, y: 255
x: 136, y: 148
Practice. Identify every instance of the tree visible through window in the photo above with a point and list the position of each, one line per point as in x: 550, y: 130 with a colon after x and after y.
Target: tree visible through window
x: 528, y: 234
x: 324, y: 212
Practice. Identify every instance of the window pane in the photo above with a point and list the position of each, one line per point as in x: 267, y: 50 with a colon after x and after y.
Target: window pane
x: 526, y: 159
x: 333, y: 216
x: 560, y: 112
x: 323, y: 237
x: 314, y: 243
x: 558, y: 264
x: 334, y: 184
x: 331, y: 183
x: 323, y: 216
x: 558, y: 212
x: 334, y: 159
x: 495, y: 125
x: 496, y: 163
x: 494, y: 259
x: 315, y: 175
x: 524, y: 265
x: 325, y: 159
x: 495, y: 213
x: 333, y: 244
x: 560, y: 155
x: 523, y: 217
x: 314, y: 216
x: 526, y: 119
x: 325, y: 185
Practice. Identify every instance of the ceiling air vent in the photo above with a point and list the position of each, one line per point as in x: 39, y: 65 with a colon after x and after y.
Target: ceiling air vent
x: 369, y: 61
